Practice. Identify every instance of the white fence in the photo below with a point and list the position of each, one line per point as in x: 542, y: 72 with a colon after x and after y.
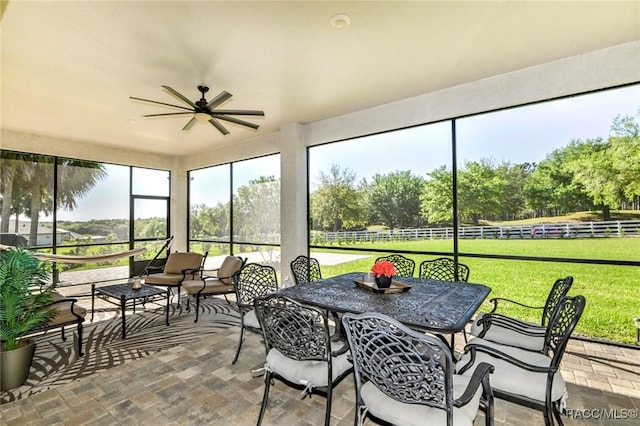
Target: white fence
x: 618, y: 228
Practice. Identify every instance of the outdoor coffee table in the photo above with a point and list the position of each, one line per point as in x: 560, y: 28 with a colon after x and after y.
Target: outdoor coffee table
x: 126, y: 294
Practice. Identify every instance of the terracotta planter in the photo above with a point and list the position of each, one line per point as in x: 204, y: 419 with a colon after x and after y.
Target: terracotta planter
x: 15, y: 364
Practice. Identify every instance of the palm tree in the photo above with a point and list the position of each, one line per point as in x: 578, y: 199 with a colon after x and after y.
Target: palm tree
x: 13, y: 186
x: 33, y: 175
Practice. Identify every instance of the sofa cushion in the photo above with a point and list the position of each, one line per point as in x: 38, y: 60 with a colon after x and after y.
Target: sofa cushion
x: 62, y: 310
x: 208, y: 286
x: 163, y: 279
x: 64, y: 315
x: 177, y: 262
x: 230, y: 265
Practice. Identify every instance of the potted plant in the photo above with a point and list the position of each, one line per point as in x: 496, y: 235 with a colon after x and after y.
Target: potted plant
x: 24, y: 297
x: 384, y: 272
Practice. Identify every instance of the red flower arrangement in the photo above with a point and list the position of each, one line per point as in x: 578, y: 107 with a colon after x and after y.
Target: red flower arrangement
x: 384, y: 267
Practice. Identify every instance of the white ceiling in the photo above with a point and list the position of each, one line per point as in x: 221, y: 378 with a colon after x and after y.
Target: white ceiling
x: 68, y: 68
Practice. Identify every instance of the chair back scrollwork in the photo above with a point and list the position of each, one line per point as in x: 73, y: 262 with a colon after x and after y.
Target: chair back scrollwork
x: 562, y: 324
x: 444, y: 269
x: 298, y: 332
x: 403, y: 265
x: 405, y: 365
x: 254, y: 280
x: 305, y: 270
x: 558, y: 291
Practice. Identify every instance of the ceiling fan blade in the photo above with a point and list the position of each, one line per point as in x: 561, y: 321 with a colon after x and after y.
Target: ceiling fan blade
x: 236, y: 121
x: 190, y: 124
x: 238, y: 112
x: 218, y: 126
x: 220, y: 98
x: 159, y: 103
x: 179, y: 96
x: 168, y: 114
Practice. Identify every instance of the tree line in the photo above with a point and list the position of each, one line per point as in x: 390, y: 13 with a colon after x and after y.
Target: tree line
x: 256, y: 214
x: 593, y: 174
x: 590, y: 174
x: 26, y: 186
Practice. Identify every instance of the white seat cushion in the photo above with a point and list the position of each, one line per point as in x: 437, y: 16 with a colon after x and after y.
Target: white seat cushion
x: 251, y: 319
x: 506, y: 336
x: 307, y: 373
x: 512, y: 379
x: 400, y: 413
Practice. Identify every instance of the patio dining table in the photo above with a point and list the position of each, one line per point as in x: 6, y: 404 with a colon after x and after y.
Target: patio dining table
x: 441, y: 307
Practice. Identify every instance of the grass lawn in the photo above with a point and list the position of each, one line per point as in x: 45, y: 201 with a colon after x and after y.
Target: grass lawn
x: 612, y: 292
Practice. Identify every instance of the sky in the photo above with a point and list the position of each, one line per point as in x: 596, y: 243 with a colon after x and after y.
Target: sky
x: 516, y: 135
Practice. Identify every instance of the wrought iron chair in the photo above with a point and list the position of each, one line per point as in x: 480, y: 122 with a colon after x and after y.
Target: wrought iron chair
x: 526, y: 377
x: 406, y: 377
x: 444, y: 269
x: 213, y: 281
x: 299, y: 348
x: 66, y: 311
x: 252, y: 281
x: 180, y: 266
x: 305, y: 269
x: 404, y: 266
x: 515, y: 332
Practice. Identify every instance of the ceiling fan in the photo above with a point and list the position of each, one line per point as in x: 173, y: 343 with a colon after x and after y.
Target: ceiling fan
x: 202, y: 110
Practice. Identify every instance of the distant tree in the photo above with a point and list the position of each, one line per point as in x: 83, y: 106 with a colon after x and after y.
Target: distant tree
x: 29, y: 180
x: 155, y: 227
x: 117, y: 227
x: 513, y: 196
x: 12, y: 185
x: 539, y: 189
x: 485, y: 191
x: 480, y: 189
x: 551, y: 188
x: 609, y: 170
x: 594, y: 170
x: 20, y: 175
x: 208, y: 221
x: 256, y: 209
x: 336, y: 204
x: 436, y: 200
x: 625, y: 150
x: 395, y: 198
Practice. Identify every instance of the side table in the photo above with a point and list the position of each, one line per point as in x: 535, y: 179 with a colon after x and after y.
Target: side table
x: 125, y: 293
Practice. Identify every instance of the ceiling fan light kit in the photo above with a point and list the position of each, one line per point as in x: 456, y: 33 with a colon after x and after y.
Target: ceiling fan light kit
x: 203, y: 111
x: 201, y: 116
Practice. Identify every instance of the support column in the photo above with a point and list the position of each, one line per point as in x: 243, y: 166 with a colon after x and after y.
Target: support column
x: 293, y: 197
x: 179, y: 208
